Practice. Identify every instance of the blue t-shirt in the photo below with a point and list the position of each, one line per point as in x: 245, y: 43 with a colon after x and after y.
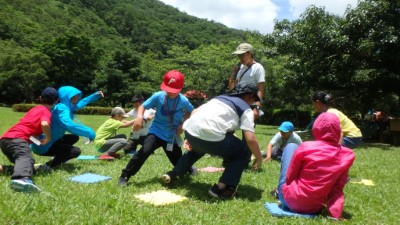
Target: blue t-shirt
x: 169, y: 114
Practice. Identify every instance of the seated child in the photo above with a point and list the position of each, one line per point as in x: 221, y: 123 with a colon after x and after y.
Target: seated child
x: 313, y: 175
x: 106, y: 140
x: 280, y: 140
x: 15, y: 141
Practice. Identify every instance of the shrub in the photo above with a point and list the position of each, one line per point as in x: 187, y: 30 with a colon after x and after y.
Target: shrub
x: 300, y: 119
x: 22, y: 107
x: 88, y: 110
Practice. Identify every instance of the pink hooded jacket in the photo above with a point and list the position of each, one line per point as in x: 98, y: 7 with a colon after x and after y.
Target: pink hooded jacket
x: 319, y: 170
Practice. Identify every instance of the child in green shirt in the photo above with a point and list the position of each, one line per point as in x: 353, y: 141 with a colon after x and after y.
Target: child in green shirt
x: 107, y: 141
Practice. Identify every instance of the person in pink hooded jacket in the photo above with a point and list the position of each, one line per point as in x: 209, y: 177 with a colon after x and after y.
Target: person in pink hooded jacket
x: 313, y: 174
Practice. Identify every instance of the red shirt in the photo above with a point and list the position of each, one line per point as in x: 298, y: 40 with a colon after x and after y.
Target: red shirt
x: 30, y: 124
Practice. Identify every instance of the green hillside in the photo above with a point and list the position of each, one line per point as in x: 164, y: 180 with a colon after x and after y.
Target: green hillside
x: 146, y: 24
x: 95, y: 44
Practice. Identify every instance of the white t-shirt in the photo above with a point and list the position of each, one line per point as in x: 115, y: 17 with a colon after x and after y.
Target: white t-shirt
x: 146, y: 124
x: 278, y: 143
x: 214, y: 119
x: 254, y: 75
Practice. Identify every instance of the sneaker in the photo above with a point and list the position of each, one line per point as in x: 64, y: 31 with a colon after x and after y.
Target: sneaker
x: 168, y: 177
x: 130, y: 153
x: 193, y: 171
x: 106, y: 157
x: 264, y: 155
x: 42, y: 168
x: 114, y: 155
x: 123, y: 181
x: 227, y: 192
x: 24, y: 185
x: 274, y: 193
x: 224, y: 163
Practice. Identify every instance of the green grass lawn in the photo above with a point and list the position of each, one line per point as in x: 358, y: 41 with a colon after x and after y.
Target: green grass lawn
x: 64, y: 202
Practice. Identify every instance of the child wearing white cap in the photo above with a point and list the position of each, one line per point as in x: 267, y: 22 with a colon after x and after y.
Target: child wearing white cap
x: 107, y: 141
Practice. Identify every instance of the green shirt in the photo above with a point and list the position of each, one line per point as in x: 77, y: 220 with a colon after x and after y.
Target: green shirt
x: 106, y: 130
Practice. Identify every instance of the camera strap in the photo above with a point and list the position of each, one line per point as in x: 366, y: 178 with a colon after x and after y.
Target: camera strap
x: 240, y: 77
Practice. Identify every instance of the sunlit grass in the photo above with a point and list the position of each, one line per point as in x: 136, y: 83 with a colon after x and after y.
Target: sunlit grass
x: 64, y: 202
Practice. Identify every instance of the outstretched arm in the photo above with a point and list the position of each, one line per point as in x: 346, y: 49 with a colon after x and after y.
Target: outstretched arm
x: 138, y: 124
x: 89, y: 99
x: 252, y: 144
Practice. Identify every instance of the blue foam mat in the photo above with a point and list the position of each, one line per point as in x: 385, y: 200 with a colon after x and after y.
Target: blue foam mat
x: 87, y: 157
x: 275, y: 210
x: 89, y: 178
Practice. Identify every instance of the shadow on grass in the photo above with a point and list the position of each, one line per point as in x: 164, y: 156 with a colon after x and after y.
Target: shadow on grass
x: 346, y: 215
x: 199, y: 190
x: 67, y: 167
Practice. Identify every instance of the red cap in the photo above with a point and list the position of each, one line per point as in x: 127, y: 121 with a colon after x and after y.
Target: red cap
x: 173, y: 82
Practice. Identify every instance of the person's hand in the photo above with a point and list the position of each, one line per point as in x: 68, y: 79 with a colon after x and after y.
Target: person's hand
x: 257, y: 164
x: 267, y: 159
x: 101, y: 93
x: 138, y: 124
x: 44, y: 141
x: 186, y: 145
x: 179, y: 130
x: 235, y: 69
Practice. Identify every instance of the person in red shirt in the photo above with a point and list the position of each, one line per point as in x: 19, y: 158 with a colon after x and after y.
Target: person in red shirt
x: 14, y: 143
x: 314, y: 173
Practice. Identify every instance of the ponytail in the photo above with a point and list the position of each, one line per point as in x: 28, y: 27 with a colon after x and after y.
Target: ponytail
x: 323, y: 97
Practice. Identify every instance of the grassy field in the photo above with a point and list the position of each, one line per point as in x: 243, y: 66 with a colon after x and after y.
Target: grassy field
x: 65, y: 202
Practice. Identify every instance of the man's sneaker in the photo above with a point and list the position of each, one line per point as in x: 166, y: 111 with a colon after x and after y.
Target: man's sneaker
x: 24, y: 185
x: 106, y: 157
x: 168, y: 177
x: 274, y: 193
x: 227, y: 192
x: 193, y: 171
x: 123, y: 181
x: 114, y: 155
x: 42, y: 168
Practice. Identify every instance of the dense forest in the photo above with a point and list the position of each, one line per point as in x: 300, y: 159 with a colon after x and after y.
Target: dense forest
x: 123, y: 47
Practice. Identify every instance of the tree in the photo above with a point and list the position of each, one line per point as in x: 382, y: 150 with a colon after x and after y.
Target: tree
x: 351, y: 57
x: 374, y: 44
x: 74, y: 60
x: 22, y: 73
x: 119, y: 77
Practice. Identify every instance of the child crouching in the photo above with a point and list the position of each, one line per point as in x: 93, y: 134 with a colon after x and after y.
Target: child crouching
x: 107, y: 141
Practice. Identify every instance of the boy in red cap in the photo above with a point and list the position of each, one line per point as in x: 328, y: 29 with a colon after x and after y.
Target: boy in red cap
x: 172, y: 109
x: 15, y: 141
